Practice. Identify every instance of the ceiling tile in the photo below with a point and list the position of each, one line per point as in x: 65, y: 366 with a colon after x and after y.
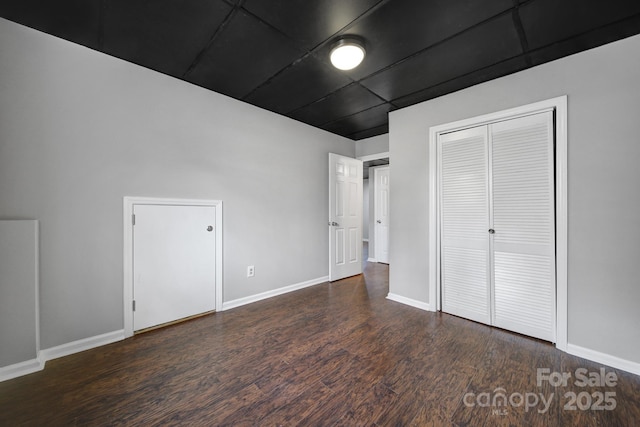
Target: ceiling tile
x: 480, y: 47
x: 368, y: 133
x: 549, y: 21
x: 589, y: 40
x: 74, y: 20
x: 163, y: 35
x: 493, y: 72
x: 301, y: 84
x: 398, y: 29
x: 243, y: 56
x: 344, y: 102
x: 309, y: 22
x: 367, y: 119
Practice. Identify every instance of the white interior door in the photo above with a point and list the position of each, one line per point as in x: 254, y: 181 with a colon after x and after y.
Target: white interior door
x: 381, y: 207
x: 174, y: 263
x: 464, y: 221
x: 523, y: 246
x: 345, y: 217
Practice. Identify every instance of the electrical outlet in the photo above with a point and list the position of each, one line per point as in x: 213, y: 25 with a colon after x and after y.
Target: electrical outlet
x: 251, y: 271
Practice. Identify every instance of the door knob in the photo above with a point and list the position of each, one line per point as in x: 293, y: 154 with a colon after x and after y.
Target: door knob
x: 379, y: 222
x: 210, y: 228
x: 492, y: 231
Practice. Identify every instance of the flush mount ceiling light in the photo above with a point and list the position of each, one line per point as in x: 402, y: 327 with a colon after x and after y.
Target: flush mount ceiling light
x: 347, y: 53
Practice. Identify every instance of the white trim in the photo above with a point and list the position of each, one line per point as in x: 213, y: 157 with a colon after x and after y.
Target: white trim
x: 604, y: 358
x: 365, y: 240
x: 376, y: 156
x: 19, y: 369
x: 264, y: 295
x: 37, y: 292
x: 128, y: 204
x: 562, y: 299
x: 371, y: 259
x: 81, y: 345
x: 560, y: 106
x: 408, y: 301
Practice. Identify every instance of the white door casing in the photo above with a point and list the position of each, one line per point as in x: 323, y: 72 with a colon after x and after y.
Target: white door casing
x: 345, y: 217
x: 559, y: 106
x: 172, y: 262
x: 381, y: 213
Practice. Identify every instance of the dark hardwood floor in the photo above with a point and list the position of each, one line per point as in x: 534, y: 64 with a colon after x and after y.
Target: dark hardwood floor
x: 333, y: 354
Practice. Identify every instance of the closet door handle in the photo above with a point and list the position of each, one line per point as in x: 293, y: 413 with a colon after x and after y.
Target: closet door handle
x: 492, y: 231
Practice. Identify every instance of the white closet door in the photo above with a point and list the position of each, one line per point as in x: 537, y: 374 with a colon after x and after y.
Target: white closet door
x: 523, y: 246
x: 174, y: 253
x: 463, y: 157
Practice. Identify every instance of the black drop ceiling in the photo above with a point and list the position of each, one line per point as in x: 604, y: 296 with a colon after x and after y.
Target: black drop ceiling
x: 274, y: 54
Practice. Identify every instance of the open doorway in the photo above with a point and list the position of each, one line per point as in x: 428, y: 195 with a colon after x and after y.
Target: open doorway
x: 371, y: 163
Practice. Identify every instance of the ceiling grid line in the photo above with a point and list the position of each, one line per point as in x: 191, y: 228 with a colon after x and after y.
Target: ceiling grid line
x: 232, y: 13
x: 517, y: 22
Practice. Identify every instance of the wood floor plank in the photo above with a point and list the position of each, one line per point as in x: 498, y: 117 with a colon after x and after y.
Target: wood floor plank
x: 332, y: 354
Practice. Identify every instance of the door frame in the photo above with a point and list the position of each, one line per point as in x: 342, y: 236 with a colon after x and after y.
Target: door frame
x: 558, y: 104
x: 128, y: 204
x: 374, y: 189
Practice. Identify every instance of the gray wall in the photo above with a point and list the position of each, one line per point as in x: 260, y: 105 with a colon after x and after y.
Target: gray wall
x: 373, y: 145
x: 18, y: 291
x: 79, y: 130
x: 603, y: 87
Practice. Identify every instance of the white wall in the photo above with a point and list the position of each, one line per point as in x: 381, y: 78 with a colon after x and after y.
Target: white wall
x: 79, y: 130
x: 603, y: 194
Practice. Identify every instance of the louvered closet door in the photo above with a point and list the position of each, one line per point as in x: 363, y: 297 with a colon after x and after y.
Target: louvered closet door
x: 523, y: 246
x: 464, y: 223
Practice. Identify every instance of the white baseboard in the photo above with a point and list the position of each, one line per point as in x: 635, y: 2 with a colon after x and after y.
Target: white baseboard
x: 605, y: 359
x: 20, y: 369
x: 37, y: 364
x: 408, y: 301
x: 254, y: 298
x: 81, y: 345
x: 372, y: 260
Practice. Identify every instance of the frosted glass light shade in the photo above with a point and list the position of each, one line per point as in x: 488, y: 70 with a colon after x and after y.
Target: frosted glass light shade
x: 347, y: 54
